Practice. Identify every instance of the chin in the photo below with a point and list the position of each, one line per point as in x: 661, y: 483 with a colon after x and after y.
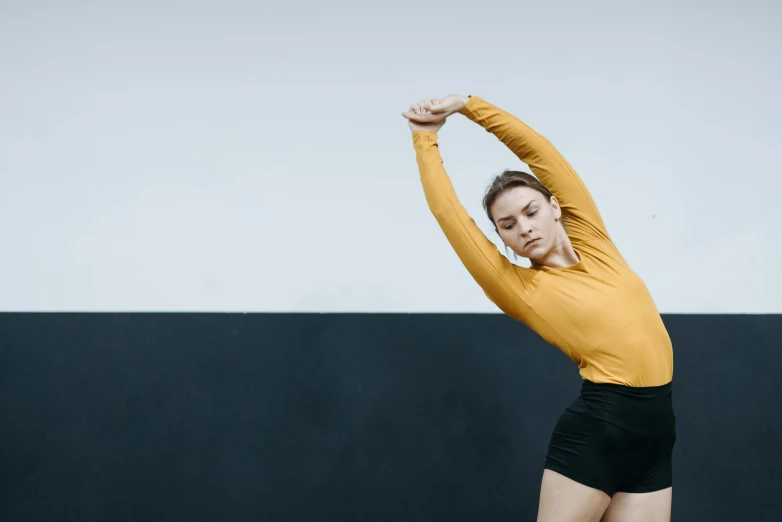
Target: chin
x: 534, y: 251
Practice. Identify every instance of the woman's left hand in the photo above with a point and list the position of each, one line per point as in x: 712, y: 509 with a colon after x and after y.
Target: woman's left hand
x: 419, y: 112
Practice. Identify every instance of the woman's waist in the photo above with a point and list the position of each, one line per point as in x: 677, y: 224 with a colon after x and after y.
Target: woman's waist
x: 641, y: 409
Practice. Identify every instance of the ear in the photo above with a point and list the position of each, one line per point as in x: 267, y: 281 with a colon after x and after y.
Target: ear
x: 556, y: 207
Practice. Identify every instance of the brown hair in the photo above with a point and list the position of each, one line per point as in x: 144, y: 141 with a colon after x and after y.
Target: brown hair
x: 508, y: 180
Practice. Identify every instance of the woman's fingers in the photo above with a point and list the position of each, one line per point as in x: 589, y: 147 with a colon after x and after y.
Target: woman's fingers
x: 436, y: 107
x: 423, y: 118
x: 428, y: 104
x: 433, y: 105
x: 417, y: 115
x: 413, y: 114
x: 423, y: 106
x: 426, y: 110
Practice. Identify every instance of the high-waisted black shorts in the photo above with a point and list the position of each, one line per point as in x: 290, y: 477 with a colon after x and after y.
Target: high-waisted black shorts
x: 616, y: 438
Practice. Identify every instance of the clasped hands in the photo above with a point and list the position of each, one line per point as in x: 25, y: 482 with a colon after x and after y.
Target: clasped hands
x: 429, y: 114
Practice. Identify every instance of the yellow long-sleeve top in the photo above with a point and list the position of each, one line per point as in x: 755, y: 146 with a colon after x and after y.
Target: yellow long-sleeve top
x: 598, y: 311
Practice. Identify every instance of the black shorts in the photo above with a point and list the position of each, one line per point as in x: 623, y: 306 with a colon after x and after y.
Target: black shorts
x: 616, y: 438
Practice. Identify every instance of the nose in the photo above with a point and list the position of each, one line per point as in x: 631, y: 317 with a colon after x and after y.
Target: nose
x: 525, y: 227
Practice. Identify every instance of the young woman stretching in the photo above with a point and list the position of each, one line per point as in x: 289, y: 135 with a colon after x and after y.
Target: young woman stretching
x: 609, y: 457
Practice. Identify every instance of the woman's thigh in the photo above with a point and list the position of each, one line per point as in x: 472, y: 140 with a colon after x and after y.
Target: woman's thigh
x: 565, y: 500
x: 645, y: 507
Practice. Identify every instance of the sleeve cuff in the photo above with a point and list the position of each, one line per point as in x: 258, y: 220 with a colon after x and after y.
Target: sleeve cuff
x: 424, y: 137
x: 470, y: 105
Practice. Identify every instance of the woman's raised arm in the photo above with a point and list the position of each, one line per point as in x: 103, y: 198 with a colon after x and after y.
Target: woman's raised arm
x: 580, y: 214
x: 506, y: 285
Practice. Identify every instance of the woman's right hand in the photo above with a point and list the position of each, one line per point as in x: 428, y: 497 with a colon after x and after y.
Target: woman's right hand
x: 436, y: 111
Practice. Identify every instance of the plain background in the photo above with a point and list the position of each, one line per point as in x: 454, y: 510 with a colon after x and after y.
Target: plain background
x: 246, y: 156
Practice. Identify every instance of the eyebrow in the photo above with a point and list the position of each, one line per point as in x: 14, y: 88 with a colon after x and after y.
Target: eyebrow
x: 507, y: 218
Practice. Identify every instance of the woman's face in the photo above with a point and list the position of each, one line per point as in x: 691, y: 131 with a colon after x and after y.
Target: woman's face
x: 526, y: 221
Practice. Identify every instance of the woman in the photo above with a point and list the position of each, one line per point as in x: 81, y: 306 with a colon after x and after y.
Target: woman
x: 609, y: 457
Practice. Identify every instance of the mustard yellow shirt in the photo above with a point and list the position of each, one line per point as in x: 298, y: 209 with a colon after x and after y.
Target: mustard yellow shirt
x: 598, y: 311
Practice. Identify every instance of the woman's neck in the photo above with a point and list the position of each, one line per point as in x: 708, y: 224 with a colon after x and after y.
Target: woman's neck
x: 561, y: 256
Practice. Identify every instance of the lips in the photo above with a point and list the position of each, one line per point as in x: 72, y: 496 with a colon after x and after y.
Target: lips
x: 531, y: 242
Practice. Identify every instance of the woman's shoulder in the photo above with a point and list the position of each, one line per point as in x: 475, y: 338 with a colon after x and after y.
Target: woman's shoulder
x: 601, y: 251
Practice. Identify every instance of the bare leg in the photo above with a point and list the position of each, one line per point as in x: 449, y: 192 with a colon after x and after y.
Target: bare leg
x: 640, y: 507
x: 565, y: 500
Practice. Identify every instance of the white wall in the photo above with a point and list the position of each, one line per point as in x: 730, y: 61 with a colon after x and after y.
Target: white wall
x: 216, y: 156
